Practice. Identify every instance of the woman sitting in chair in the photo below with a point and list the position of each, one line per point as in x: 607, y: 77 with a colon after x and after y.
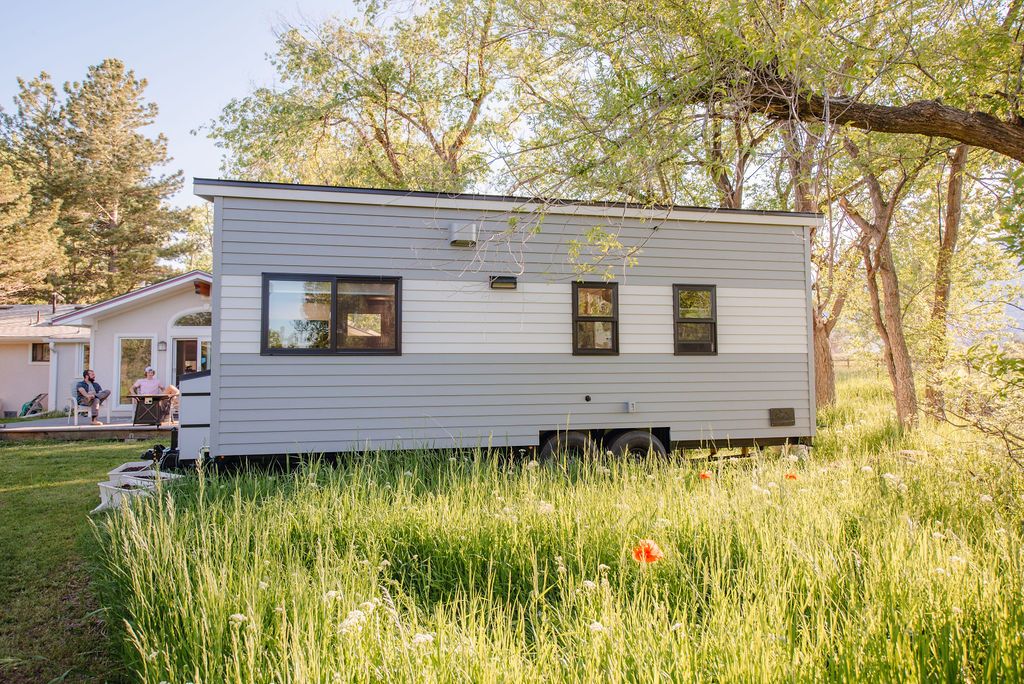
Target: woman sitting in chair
x: 151, y: 386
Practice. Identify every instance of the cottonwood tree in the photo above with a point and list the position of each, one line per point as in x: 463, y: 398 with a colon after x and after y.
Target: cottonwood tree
x: 410, y: 103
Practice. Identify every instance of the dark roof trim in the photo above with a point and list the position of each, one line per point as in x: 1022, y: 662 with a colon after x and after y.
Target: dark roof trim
x: 491, y: 198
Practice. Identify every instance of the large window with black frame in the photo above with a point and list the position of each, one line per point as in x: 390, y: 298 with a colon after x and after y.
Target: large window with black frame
x: 595, y: 318
x: 696, y: 320
x: 312, y: 315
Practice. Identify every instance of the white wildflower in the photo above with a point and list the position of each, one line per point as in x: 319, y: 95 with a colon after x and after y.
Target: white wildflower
x: 651, y: 477
x: 678, y: 627
x: 545, y: 508
x: 353, y: 622
x: 891, y: 478
x: 383, y: 564
x: 938, y: 535
x: 793, y: 458
x: 845, y: 483
x: 263, y: 585
x: 603, y: 568
x: 367, y: 607
x: 957, y: 560
x: 237, y: 618
x: 867, y: 469
x: 596, y: 627
x: 1001, y: 531
x: 602, y: 470
x: 532, y: 465
x: 956, y: 610
x: 609, y: 453
x: 422, y: 639
x: 772, y: 485
x: 331, y: 595
x: 408, y: 473
x: 985, y: 498
x: 588, y: 585
x: 939, y: 571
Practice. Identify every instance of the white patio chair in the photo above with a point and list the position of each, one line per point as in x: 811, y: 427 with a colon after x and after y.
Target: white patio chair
x: 78, y: 409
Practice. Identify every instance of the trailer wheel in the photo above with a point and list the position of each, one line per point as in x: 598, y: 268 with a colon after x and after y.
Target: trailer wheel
x: 574, y: 444
x: 636, y: 444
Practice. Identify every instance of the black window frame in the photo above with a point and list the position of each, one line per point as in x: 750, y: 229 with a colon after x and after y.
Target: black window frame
x: 332, y: 350
x: 677, y: 319
x: 613, y: 319
x: 46, y: 353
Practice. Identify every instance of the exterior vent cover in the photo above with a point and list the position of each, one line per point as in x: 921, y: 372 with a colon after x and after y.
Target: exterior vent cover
x: 781, y: 417
x: 462, y: 234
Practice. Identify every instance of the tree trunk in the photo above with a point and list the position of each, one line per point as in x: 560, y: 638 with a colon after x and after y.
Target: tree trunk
x: 939, y: 346
x: 901, y: 368
x: 824, y: 366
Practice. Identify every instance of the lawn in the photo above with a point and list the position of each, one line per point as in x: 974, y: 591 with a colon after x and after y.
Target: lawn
x: 48, y: 625
x: 882, y: 557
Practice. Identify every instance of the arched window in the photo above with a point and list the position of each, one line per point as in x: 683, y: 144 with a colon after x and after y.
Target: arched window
x: 195, y: 319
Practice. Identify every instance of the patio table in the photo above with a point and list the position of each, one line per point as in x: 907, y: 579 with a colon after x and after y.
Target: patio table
x: 150, y: 409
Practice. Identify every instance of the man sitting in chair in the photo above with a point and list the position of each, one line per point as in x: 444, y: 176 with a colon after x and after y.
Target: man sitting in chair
x: 91, y: 394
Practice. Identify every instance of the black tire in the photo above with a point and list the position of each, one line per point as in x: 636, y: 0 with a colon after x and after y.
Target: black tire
x: 637, y: 444
x: 574, y: 444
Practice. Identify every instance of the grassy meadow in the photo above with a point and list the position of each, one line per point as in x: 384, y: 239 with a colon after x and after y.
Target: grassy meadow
x: 880, y: 557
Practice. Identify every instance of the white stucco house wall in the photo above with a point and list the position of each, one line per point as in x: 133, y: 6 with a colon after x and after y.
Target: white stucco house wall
x: 165, y: 325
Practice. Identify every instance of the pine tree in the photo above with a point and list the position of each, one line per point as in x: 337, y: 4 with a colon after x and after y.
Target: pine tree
x: 31, y: 251
x: 88, y: 153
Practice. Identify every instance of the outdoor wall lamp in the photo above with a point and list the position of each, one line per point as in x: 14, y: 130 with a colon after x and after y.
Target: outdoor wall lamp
x: 503, y: 282
x: 161, y: 346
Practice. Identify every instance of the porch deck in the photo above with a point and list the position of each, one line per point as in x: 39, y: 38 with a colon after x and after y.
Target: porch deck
x: 120, y: 428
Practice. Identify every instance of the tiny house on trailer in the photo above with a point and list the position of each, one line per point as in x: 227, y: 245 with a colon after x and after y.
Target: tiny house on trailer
x: 348, y: 319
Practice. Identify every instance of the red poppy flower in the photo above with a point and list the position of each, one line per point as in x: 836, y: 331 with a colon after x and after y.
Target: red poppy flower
x: 647, y: 552
x: 790, y: 476
x: 704, y: 475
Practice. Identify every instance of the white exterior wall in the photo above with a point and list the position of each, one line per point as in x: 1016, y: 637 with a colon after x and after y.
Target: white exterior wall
x: 451, y: 317
x: 20, y: 380
x: 152, y: 319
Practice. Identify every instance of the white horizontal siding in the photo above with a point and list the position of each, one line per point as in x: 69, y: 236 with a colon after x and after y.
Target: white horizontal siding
x: 451, y: 317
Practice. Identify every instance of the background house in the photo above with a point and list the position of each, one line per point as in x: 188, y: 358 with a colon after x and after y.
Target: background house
x: 165, y: 325
x: 36, y: 355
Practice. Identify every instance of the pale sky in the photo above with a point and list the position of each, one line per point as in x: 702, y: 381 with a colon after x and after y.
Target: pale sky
x: 195, y: 55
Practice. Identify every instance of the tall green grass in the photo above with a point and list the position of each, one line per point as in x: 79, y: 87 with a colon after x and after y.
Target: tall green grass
x: 870, y: 565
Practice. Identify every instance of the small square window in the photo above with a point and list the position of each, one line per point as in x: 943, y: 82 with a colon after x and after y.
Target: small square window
x: 696, y: 324
x: 40, y: 352
x: 595, y: 318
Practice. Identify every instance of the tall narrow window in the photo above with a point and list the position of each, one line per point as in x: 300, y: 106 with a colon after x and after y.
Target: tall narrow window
x: 331, y: 315
x: 595, y: 318
x: 696, y: 325
x: 134, y: 354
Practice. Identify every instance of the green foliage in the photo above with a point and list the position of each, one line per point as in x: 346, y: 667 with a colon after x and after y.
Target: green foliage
x: 873, y: 564
x: 86, y: 152
x: 412, y: 103
x: 30, y: 243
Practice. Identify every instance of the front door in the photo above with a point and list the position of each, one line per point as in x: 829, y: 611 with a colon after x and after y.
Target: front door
x: 190, y: 356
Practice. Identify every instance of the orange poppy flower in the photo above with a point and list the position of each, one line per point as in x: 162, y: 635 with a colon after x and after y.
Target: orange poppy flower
x: 647, y: 551
x: 790, y: 476
x: 704, y: 475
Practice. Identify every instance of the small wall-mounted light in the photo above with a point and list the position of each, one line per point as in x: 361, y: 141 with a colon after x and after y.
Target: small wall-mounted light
x: 161, y: 346
x: 503, y: 282
x: 462, y: 234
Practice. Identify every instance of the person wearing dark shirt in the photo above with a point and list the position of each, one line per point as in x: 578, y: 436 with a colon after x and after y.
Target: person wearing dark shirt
x: 91, y: 394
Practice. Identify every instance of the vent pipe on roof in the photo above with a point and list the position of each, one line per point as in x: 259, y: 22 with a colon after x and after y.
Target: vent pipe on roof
x: 462, y: 234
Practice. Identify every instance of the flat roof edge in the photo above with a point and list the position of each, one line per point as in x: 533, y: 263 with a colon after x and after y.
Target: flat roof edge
x: 209, y: 188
